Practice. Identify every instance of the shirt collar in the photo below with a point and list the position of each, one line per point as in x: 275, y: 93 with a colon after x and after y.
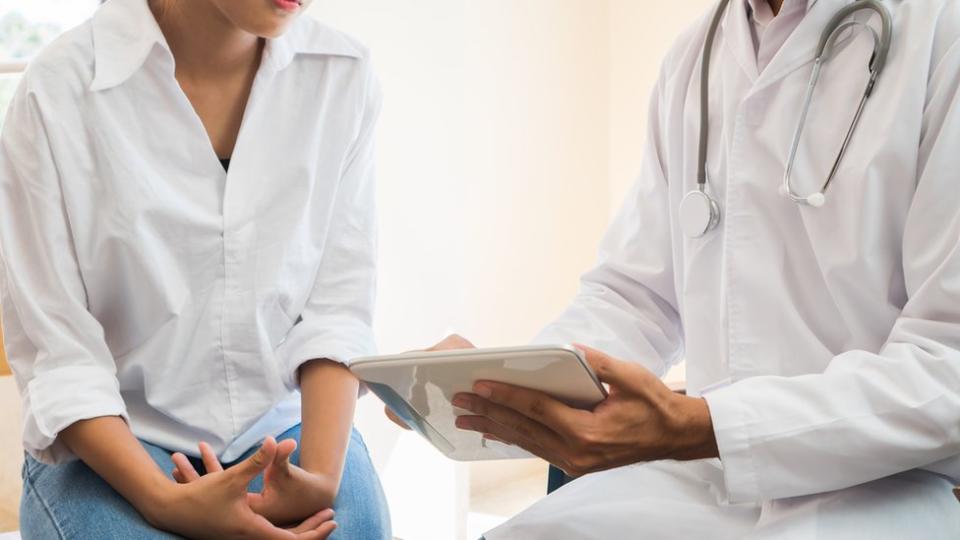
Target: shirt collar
x: 762, y: 6
x: 125, y: 32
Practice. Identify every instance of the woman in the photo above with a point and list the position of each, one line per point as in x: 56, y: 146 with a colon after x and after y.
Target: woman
x: 188, y: 250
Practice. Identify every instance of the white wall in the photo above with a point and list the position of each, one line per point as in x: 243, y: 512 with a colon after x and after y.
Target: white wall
x: 493, y: 190
x: 493, y: 156
x: 641, y: 32
x: 510, y: 131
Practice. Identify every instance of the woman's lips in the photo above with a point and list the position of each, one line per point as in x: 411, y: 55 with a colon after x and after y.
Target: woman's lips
x: 287, y: 5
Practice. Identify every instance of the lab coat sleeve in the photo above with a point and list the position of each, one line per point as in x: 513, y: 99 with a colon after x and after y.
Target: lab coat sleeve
x: 627, y: 304
x: 337, y: 321
x: 55, y: 346
x: 870, y: 414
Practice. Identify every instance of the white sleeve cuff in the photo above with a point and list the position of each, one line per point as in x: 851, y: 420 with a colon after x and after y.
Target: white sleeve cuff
x: 731, y: 424
x: 57, y: 399
x: 328, y: 338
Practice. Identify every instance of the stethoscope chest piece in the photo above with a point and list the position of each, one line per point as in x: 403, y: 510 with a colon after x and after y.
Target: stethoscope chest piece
x: 699, y: 214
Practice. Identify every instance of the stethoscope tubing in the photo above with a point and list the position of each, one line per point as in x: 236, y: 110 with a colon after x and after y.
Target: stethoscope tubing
x: 837, y: 24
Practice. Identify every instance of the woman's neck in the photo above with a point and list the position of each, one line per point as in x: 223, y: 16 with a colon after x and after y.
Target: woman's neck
x: 775, y: 5
x: 204, y: 43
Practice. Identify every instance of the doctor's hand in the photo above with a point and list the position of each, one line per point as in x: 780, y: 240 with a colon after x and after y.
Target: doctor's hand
x: 290, y: 494
x: 216, y: 506
x: 450, y: 343
x: 641, y: 420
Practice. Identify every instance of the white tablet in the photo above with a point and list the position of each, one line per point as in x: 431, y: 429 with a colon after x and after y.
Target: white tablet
x: 420, y: 386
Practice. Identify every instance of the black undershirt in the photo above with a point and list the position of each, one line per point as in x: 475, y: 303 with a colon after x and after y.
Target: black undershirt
x: 226, y: 163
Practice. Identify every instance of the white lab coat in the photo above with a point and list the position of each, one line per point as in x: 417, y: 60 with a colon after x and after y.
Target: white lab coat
x: 826, y: 341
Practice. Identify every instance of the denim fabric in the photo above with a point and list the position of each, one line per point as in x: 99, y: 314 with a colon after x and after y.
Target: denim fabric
x: 71, y: 502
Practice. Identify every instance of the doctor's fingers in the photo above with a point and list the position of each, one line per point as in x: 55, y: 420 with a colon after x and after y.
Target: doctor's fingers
x: 491, y: 415
x: 504, y: 434
x: 532, y: 404
x: 617, y: 373
x: 575, y: 464
x: 453, y: 342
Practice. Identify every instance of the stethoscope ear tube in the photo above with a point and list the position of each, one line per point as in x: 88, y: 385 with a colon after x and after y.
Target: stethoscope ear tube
x: 878, y: 60
x: 699, y: 212
x: 830, y: 33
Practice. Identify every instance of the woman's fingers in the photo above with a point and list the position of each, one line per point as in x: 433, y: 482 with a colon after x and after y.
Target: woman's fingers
x: 395, y: 419
x: 281, y: 461
x: 320, y: 533
x: 261, y: 528
x: 249, y: 468
x: 285, y: 449
x: 184, y: 471
x: 209, y: 458
x: 325, y: 530
x: 314, y: 522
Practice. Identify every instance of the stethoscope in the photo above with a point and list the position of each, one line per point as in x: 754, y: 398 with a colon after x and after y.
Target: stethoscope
x: 699, y: 211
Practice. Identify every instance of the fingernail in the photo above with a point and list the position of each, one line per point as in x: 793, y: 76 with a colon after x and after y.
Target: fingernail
x: 462, y: 423
x: 483, y: 390
x: 461, y: 401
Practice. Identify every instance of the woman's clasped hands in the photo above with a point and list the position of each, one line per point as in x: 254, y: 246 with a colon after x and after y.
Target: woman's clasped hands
x: 217, y: 504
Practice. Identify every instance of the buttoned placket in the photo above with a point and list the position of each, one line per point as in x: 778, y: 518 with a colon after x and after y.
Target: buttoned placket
x: 240, y: 346
x: 237, y: 345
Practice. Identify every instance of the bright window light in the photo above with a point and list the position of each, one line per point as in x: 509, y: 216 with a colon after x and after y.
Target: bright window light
x: 27, y: 27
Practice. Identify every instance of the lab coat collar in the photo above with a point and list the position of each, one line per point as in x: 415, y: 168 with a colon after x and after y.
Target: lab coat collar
x: 796, y: 52
x: 125, y: 33
x: 752, y: 4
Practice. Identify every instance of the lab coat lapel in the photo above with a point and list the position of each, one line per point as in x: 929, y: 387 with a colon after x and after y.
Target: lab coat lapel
x: 801, y: 46
x: 738, y: 39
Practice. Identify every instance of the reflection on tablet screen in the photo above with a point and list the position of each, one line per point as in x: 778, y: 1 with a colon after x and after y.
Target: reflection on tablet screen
x: 412, y: 418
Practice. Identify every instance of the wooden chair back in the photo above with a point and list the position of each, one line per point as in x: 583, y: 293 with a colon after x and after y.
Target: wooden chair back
x: 4, y: 367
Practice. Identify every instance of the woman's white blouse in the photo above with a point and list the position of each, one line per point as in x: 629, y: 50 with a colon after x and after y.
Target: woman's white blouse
x: 140, y: 279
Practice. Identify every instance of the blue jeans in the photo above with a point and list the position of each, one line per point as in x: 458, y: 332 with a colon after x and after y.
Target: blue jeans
x: 70, y: 501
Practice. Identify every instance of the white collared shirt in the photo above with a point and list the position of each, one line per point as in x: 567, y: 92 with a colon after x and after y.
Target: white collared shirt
x: 768, y: 31
x: 142, y: 280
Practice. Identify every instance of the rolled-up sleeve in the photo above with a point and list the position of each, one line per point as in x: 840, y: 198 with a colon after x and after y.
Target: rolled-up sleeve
x: 337, y: 321
x: 55, y: 346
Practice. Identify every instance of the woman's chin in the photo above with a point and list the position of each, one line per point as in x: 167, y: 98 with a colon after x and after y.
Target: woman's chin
x: 268, y: 29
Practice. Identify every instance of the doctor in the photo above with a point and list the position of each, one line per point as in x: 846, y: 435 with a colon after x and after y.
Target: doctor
x: 820, y: 323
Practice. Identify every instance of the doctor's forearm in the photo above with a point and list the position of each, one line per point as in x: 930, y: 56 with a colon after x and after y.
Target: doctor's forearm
x: 329, y: 398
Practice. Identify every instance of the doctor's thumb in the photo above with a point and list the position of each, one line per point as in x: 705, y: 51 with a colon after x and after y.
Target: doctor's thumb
x: 607, y: 368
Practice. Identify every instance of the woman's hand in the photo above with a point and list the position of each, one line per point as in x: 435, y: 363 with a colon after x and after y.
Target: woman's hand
x: 217, y: 505
x: 289, y: 494
x: 450, y: 343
